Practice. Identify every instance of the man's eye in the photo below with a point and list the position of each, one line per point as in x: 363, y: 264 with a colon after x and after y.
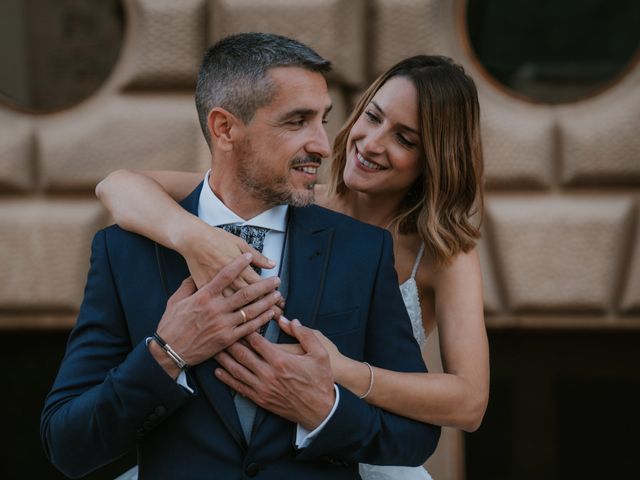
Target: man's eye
x: 297, y: 123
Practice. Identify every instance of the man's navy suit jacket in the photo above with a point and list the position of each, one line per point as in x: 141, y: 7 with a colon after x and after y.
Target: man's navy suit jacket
x: 110, y: 395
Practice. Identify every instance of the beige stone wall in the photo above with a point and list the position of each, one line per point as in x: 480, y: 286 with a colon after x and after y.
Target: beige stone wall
x: 561, y: 244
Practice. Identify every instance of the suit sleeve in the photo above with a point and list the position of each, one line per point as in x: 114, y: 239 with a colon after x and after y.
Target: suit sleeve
x: 359, y: 432
x: 107, y: 392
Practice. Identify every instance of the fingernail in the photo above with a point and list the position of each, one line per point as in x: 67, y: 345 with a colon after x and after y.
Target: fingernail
x: 271, y: 262
x: 277, y: 281
x: 296, y: 322
x: 271, y: 314
x: 284, y: 320
x: 218, y: 372
x: 247, y: 255
x: 277, y: 295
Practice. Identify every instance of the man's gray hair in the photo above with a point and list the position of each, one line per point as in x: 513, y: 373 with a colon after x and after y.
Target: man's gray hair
x: 233, y: 74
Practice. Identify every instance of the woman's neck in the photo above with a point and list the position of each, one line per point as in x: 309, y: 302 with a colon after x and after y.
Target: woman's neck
x: 375, y: 210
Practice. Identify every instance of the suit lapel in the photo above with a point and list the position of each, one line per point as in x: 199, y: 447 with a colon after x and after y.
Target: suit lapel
x: 216, y: 392
x: 309, y: 252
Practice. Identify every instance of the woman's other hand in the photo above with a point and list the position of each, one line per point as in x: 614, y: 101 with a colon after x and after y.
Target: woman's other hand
x: 338, y: 361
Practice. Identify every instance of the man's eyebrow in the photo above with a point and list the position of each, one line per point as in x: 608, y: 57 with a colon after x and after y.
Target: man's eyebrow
x: 401, y: 125
x: 298, y: 112
x: 304, y: 112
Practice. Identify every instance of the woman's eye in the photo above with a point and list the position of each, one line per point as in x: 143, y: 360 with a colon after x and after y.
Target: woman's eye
x: 404, y: 141
x: 372, y: 116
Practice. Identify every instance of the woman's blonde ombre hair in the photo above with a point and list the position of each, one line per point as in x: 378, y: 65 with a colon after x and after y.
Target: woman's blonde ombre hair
x: 448, y: 193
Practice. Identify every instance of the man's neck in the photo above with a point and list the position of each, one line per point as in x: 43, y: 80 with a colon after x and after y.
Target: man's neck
x: 236, y: 198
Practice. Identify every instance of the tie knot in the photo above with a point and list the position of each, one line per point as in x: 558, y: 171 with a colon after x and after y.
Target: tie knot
x: 254, y: 236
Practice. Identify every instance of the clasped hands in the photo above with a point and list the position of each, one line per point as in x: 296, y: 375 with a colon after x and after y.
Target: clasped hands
x: 295, y: 383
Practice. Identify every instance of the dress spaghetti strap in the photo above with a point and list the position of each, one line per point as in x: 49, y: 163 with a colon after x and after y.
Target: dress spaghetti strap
x: 416, y: 263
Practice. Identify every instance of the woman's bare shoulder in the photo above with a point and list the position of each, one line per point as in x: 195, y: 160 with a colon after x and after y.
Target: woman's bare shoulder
x: 463, y: 265
x: 461, y: 268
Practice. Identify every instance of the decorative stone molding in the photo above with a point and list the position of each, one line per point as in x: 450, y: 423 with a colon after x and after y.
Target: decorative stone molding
x: 558, y: 254
x: 139, y: 132
x: 334, y: 28
x: 44, y: 252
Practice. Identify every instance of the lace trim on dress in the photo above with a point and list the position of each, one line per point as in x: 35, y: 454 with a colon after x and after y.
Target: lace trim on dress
x: 409, y: 291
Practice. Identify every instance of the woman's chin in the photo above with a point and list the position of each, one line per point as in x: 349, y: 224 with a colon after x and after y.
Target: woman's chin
x: 360, y: 187
x: 350, y: 184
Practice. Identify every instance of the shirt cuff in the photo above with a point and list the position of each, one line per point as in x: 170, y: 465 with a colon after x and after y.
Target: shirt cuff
x: 182, y: 381
x: 303, y: 436
x: 182, y: 376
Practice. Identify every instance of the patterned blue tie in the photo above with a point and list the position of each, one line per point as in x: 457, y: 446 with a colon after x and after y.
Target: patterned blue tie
x: 254, y: 236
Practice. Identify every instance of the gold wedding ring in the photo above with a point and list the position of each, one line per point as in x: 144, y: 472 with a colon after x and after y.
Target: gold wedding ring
x: 243, y: 315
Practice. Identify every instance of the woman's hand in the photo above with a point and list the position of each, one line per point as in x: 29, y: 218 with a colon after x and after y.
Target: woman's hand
x: 338, y: 361
x: 208, y: 250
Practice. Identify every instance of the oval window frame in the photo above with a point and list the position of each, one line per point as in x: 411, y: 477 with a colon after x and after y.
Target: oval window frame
x: 465, y: 41
x: 9, y: 103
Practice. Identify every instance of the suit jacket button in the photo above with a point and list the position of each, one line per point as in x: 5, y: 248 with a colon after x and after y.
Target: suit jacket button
x: 252, y: 469
x: 160, y: 410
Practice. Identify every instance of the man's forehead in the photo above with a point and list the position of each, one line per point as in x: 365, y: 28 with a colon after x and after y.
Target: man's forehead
x: 293, y: 82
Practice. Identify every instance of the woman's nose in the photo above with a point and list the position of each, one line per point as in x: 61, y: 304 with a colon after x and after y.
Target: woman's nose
x: 373, y: 142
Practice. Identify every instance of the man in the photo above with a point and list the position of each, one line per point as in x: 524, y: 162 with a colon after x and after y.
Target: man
x: 262, y: 101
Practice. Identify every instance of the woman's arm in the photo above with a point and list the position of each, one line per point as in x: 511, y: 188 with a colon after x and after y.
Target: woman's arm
x: 456, y: 398
x: 145, y: 203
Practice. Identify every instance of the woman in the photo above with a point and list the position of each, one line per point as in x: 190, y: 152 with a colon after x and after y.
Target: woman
x: 408, y: 159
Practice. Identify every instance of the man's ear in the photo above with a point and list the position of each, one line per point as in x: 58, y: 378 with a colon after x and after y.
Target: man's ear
x: 224, y: 127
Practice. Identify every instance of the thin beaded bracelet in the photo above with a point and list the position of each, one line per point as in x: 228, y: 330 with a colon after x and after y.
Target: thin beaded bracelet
x: 370, y: 381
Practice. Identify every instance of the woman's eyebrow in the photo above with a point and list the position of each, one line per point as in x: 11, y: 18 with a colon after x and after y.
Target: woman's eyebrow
x: 401, y: 125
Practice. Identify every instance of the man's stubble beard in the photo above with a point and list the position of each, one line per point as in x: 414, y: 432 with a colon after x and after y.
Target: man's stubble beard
x: 269, y: 187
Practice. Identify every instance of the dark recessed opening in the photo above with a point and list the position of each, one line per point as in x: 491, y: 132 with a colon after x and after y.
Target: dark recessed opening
x: 563, y: 405
x: 30, y: 363
x: 56, y: 54
x: 554, y: 51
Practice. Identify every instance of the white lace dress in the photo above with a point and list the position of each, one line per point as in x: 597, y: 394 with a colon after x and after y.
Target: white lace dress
x: 409, y: 290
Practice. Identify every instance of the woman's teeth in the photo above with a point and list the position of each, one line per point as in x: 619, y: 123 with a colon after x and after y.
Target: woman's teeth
x: 367, y: 163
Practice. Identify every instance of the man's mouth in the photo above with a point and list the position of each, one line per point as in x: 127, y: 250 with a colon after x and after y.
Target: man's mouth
x: 310, y: 169
x: 367, y: 163
x: 308, y: 165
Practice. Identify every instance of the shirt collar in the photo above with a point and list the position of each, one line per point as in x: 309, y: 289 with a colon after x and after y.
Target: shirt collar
x: 212, y: 211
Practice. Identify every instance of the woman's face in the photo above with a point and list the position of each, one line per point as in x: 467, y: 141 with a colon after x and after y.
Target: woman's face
x: 384, y: 145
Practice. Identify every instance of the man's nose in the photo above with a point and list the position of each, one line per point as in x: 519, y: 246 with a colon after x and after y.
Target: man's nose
x: 320, y: 145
